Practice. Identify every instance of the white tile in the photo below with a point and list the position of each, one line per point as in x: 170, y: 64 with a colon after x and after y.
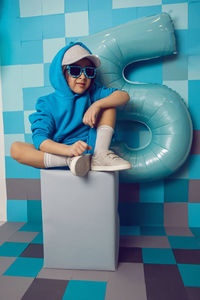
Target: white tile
x: 76, y: 24
x: 30, y: 8
x: 12, y: 97
x: 51, y: 47
x: 178, y: 13
x: 9, y: 139
x: 32, y: 75
x: 194, y: 67
x: 27, y: 124
x: 52, y: 7
x: 179, y: 86
x: 136, y: 3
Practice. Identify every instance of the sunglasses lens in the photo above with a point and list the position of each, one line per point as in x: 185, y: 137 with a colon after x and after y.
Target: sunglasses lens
x: 90, y: 72
x: 75, y: 71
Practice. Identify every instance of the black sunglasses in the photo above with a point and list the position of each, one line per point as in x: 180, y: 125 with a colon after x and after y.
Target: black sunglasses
x: 76, y: 71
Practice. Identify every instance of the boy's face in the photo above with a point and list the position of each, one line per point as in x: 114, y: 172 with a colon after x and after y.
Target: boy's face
x: 79, y: 84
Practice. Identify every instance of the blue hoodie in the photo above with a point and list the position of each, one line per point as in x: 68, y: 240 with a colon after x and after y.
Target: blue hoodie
x: 59, y: 115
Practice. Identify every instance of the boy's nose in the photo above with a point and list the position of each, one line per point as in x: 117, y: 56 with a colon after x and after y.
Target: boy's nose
x: 82, y: 75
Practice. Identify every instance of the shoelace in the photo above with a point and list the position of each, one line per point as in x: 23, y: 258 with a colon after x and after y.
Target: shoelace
x: 113, y: 155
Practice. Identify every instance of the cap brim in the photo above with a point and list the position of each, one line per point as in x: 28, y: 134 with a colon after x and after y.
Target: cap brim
x: 93, y: 58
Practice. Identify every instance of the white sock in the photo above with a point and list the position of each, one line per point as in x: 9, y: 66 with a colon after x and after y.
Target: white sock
x: 52, y: 160
x: 103, y: 140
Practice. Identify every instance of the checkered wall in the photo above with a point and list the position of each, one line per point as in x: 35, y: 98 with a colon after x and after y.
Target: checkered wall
x: 32, y: 32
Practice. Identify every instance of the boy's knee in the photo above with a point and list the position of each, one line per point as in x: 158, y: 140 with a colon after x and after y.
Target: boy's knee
x: 111, y: 110
x: 15, y: 150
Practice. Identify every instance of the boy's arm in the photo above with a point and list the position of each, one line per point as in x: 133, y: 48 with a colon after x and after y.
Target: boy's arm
x: 75, y: 149
x: 117, y: 98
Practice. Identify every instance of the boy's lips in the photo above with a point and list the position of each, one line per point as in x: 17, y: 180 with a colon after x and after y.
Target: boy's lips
x: 81, y: 84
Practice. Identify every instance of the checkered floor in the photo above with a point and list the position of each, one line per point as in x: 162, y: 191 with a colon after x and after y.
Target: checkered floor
x: 157, y: 264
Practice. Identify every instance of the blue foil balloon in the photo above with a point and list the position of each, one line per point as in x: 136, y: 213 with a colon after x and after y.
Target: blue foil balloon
x: 158, y: 107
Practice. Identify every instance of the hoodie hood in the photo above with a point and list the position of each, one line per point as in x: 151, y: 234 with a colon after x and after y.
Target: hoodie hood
x: 56, y: 76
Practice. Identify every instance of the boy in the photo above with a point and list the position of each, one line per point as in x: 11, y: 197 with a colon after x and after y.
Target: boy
x: 77, y: 118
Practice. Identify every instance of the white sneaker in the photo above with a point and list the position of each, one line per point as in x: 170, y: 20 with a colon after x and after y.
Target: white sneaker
x: 108, y: 161
x: 79, y: 165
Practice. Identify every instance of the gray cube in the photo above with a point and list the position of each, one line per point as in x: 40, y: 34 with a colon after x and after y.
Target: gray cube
x: 80, y: 220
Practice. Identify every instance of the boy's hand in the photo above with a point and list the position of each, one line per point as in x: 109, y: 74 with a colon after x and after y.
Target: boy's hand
x: 90, y: 116
x: 78, y: 148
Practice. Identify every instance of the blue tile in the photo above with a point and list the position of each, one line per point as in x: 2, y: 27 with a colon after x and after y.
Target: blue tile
x: 152, y: 192
x: 99, y: 5
x: 124, y: 15
x: 145, y: 11
x: 34, y: 212
x: 11, y: 25
x: 190, y: 274
x: 12, y: 249
x: 38, y: 239
x: 193, y: 67
x: 32, y: 52
x: 74, y: 6
x: 13, y: 122
x: 193, y: 15
x: 148, y: 71
x: 25, y: 267
x: 83, y: 290
x: 30, y: 95
x: 31, y: 28
x: 17, y: 170
x: 193, y: 42
x: 17, y: 210
x: 130, y: 230
x: 195, y: 231
x: 98, y: 11
x: 33, y: 227
x: 182, y: 41
x: 95, y: 20
x: 194, y: 166
x: 193, y: 101
x: 10, y: 9
x: 53, y: 26
x: 180, y: 242
x: 10, y: 52
x: 173, y: 1
x: 194, y: 214
x: 144, y: 214
x: 152, y: 231
x: 158, y: 256
x: 176, y: 190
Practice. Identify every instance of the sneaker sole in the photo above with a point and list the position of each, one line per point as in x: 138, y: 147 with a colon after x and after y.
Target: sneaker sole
x: 110, y: 168
x: 81, y: 165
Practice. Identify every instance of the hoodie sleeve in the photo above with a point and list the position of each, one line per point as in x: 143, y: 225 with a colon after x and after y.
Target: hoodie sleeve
x: 42, y: 123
